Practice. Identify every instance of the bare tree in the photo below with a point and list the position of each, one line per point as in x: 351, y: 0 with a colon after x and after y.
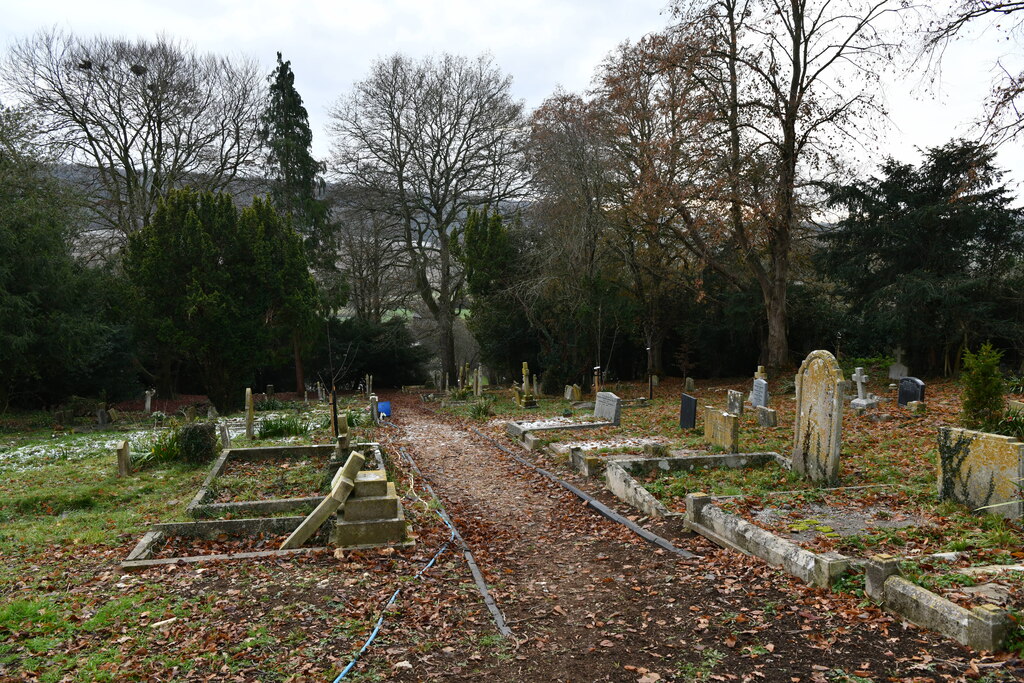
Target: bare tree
x: 425, y: 140
x: 147, y: 116
x: 791, y: 82
x: 1003, y: 118
x: 372, y: 256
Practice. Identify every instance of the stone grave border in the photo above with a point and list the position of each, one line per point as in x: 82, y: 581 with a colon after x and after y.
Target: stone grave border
x: 202, y: 507
x: 982, y: 628
x: 141, y: 556
x: 619, y: 473
x: 529, y: 440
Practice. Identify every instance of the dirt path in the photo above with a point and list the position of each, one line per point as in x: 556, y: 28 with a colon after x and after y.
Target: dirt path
x: 589, y: 601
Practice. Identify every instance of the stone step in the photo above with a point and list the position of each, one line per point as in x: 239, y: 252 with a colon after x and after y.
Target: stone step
x: 371, y: 483
x: 370, y: 532
x: 367, y: 508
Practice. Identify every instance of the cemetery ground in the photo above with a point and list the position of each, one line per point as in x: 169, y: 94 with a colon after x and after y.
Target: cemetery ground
x: 585, y: 598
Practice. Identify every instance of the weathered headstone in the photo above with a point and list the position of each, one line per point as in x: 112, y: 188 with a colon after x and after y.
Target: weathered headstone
x: 374, y: 410
x: 250, y: 415
x: 687, y: 412
x: 102, y: 417
x: 608, y: 407
x: 577, y: 392
x: 319, y: 392
x: 759, y: 394
x: 567, y: 394
x: 766, y: 417
x: 211, y: 413
x: 819, y: 417
x: 734, y: 403
x: 863, y: 400
x: 225, y: 436
x: 980, y: 469
x: 911, y: 389
x: 536, y: 386
x: 150, y: 393
x: 124, y: 459
x: 341, y: 488
x: 270, y: 391
x: 654, y: 380
x: 722, y: 429
x: 690, y: 385
x: 898, y: 370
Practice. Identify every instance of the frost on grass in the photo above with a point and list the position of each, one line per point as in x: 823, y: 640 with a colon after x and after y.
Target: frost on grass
x: 68, y: 449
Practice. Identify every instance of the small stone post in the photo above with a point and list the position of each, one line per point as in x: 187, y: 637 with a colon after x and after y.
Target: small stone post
x: 150, y: 393
x: 526, y: 378
x: 250, y: 414
x: 877, y: 570
x: 343, y: 434
x: 124, y: 459
x: 270, y: 391
x: 597, y: 379
x: 340, y: 490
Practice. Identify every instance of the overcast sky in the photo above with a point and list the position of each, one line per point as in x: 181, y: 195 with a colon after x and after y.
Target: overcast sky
x: 542, y: 43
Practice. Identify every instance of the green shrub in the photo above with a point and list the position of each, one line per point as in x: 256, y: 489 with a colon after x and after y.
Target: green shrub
x: 282, y: 425
x: 482, y: 409
x: 194, y: 443
x: 983, y: 387
x: 270, y: 403
x: 197, y: 443
x: 460, y: 394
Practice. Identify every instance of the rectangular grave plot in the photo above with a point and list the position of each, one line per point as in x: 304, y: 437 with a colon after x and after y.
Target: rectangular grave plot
x: 272, y: 481
x: 189, y: 542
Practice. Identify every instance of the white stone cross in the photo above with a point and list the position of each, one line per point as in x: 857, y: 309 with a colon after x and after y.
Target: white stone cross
x: 150, y: 393
x: 860, y: 378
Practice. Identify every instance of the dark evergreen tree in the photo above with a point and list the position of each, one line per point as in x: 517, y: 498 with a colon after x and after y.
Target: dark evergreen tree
x: 930, y: 256
x: 219, y: 290
x: 57, y: 336
x: 297, y: 182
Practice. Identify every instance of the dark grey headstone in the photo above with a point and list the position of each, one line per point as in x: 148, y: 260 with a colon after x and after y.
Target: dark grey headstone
x: 688, y: 412
x: 102, y: 417
x: 911, y: 389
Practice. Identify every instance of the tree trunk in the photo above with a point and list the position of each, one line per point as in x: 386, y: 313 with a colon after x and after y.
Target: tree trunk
x: 446, y: 350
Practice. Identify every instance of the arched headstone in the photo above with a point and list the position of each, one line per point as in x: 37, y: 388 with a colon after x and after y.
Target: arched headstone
x: 819, y: 418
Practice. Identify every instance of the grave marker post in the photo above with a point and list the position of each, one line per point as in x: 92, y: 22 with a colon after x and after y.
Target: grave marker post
x: 150, y: 393
x: 124, y: 459
x: 250, y: 415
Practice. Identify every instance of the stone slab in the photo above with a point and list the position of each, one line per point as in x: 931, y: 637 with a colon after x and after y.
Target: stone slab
x: 608, y: 406
x: 371, y: 483
x: 734, y: 403
x: 372, y: 507
x: 721, y: 429
x: 979, y: 469
x: 370, y: 532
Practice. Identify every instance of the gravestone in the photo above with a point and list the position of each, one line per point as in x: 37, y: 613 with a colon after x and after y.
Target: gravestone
x: 654, y: 380
x: 690, y: 385
x: 270, y: 391
x: 687, y: 412
x: 766, y: 417
x: 478, y: 382
x: 980, y: 469
x: 911, y: 389
x: 124, y: 459
x: 249, y: 413
x: 211, y: 413
x: 102, y: 417
x: 374, y: 409
x: 819, y: 418
x: 608, y: 407
x: 150, y: 393
x: 898, y: 370
x: 735, y: 403
x: 319, y: 392
x: 568, y: 392
x: 225, y: 436
x: 759, y: 395
x: 761, y: 374
x: 863, y: 400
x: 722, y: 429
